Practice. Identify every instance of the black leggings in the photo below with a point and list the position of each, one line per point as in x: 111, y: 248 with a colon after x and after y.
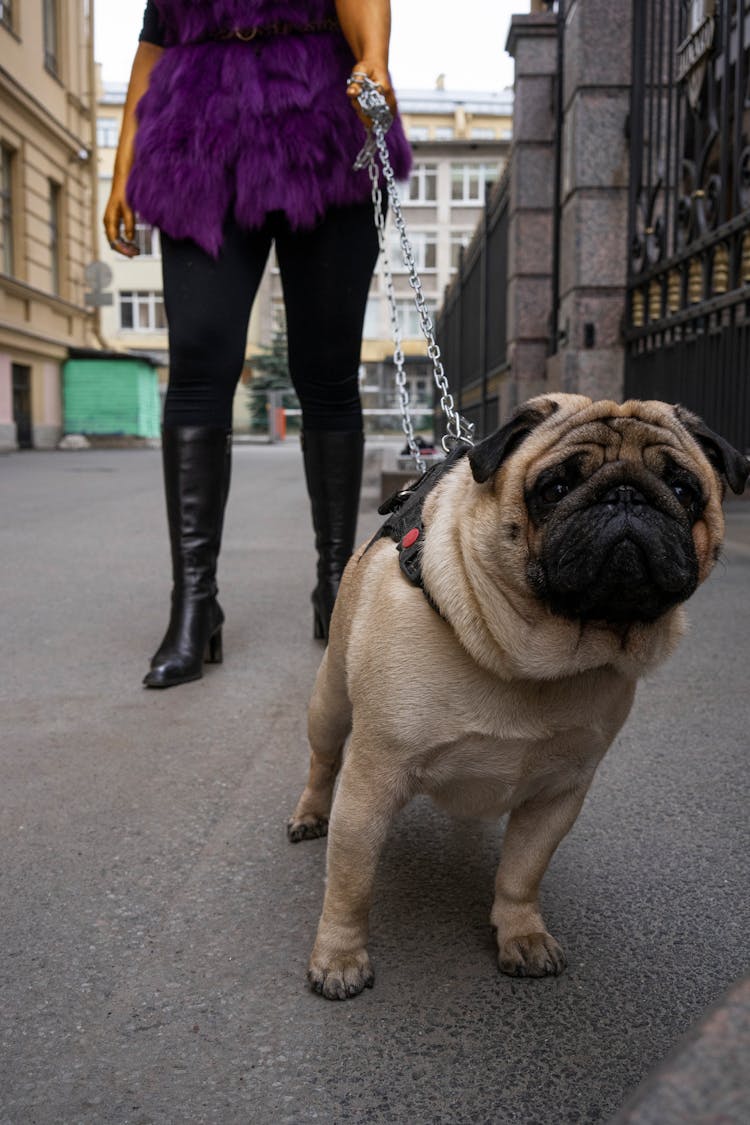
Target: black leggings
x: 325, y: 274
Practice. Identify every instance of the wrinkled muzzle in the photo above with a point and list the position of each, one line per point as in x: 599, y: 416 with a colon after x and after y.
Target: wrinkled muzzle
x: 621, y: 553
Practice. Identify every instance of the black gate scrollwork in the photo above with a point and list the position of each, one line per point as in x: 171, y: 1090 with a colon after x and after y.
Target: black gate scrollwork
x: 688, y: 316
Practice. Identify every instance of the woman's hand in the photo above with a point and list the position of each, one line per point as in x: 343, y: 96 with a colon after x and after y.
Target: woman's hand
x: 119, y: 221
x: 377, y: 72
x: 366, y: 25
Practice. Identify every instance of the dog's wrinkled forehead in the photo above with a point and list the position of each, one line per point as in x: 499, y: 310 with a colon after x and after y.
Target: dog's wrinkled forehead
x: 599, y: 441
x: 648, y: 433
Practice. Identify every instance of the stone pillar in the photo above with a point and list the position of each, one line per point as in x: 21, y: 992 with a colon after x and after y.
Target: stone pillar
x: 594, y: 198
x: 532, y: 41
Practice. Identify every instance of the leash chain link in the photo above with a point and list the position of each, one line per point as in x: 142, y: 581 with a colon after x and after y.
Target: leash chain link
x: 458, y: 429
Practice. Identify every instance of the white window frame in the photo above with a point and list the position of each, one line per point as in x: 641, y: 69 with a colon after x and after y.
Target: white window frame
x: 147, y: 240
x: 408, y: 316
x: 107, y: 132
x: 425, y: 246
x: 421, y: 174
x: 469, y: 174
x: 373, y: 324
x: 139, y: 300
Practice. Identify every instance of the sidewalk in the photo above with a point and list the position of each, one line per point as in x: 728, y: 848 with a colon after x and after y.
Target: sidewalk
x: 156, y: 924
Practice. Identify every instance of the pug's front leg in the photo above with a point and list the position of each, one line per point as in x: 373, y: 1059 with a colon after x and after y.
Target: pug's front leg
x: 525, y: 948
x: 363, y: 809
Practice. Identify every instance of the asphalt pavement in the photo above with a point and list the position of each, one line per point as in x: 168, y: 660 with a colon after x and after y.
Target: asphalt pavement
x: 156, y: 923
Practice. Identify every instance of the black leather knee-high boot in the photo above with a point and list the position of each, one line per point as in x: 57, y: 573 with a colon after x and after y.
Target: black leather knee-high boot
x: 197, y: 468
x: 333, y: 469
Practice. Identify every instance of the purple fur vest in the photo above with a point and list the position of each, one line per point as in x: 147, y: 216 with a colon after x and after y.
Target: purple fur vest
x: 248, y: 127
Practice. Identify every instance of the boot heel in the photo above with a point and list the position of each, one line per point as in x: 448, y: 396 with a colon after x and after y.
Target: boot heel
x: 319, y: 630
x: 214, y: 653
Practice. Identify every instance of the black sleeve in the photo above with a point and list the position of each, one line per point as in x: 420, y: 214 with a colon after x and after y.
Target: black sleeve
x: 153, y: 28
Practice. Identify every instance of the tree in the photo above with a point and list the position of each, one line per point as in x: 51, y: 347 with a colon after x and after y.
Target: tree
x: 271, y: 373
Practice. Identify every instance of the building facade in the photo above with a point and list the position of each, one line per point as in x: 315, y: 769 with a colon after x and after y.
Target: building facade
x: 47, y: 150
x: 615, y: 253
x: 460, y: 142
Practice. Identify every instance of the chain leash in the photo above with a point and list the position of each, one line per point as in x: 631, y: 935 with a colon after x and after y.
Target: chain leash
x: 458, y: 429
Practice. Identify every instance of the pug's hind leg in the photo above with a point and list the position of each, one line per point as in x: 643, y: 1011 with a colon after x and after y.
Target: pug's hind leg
x: 328, y: 725
x: 525, y: 948
x: 365, y: 805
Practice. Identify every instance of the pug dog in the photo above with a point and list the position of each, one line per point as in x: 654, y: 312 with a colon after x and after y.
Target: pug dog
x: 544, y: 570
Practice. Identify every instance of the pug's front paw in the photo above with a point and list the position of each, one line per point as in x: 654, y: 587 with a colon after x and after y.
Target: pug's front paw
x: 531, y: 955
x: 309, y: 827
x: 341, y: 977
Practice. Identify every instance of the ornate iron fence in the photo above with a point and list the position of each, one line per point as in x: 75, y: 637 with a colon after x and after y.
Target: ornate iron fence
x: 687, y: 326
x: 471, y: 327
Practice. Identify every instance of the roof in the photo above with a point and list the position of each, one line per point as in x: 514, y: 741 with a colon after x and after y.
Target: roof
x: 102, y: 353
x: 497, y: 103
x: 113, y: 93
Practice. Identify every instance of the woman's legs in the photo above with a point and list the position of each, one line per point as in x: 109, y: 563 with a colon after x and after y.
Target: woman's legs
x: 208, y: 305
x: 326, y: 275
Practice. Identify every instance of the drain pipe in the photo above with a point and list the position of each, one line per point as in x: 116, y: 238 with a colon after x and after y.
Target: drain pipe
x: 556, y: 215
x: 96, y: 312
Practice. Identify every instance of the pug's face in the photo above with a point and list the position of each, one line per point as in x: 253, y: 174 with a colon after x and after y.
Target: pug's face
x: 620, y: 504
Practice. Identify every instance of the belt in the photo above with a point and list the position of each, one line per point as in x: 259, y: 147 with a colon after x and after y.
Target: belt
x: 269, y: 30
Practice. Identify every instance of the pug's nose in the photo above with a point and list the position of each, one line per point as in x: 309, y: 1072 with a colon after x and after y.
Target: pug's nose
x: 626, y: 495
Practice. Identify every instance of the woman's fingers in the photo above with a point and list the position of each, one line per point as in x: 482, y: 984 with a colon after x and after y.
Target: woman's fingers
x: 119, y: 226
x: 377, y: 73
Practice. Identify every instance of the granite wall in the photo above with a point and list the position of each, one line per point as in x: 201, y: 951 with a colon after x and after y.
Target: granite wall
x: 591, y: 235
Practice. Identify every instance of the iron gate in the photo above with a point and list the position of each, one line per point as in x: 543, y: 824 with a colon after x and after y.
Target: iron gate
x: 688, y: 316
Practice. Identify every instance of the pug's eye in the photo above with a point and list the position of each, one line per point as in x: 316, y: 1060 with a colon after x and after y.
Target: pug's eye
x: 554, y: 491
x: 684, y: 492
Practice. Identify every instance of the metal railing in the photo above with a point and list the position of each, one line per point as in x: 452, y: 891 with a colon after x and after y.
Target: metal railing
x: 472, y: 322
x: 687, y: 325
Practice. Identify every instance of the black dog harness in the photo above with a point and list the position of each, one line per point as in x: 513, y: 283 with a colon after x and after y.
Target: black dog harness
x: 405, y: 525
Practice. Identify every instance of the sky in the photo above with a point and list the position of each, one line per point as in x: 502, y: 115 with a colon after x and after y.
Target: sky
x: 461, y: 39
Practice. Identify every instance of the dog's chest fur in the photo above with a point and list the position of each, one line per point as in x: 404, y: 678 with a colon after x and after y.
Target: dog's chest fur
x: 443, y: 726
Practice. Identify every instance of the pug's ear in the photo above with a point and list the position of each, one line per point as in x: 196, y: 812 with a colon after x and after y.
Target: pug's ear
x: 487, y: 457
x: 732, y: 465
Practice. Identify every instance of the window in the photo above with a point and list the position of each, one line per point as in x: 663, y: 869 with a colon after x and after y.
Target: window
x: 423, y: 184
x: 6, y: 201
x: 469, y: 182
x: 142, y: 311
x: 55, y: 195
x: 444, y: 133
x: 424, y: 245
x: 6, y: 14
x: 409, y: 318
x: 419, y: 133
x: 107, y: 132
x: 147, y: 240
x: 50, y: 36
x: 459, y: 241
x: 420, y: 392
x: 373, y: 325
x: 482, y: 133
